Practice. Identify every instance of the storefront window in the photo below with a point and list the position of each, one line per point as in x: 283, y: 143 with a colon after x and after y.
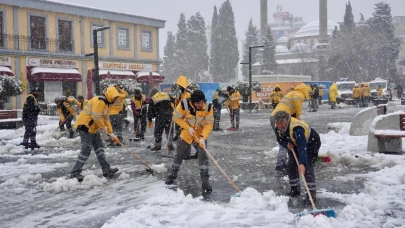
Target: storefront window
x: 69, y: 89
x: 65, y: 35
x: 37, y: 25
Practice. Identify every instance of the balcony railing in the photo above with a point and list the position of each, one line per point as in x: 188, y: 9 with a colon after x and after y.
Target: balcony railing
x: 30, y: 43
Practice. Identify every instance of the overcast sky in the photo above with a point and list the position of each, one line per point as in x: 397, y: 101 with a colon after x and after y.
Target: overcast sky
x: 169, y: 10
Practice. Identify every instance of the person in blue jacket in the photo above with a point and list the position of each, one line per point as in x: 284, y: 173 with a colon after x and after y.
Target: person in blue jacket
x: 297, y: 136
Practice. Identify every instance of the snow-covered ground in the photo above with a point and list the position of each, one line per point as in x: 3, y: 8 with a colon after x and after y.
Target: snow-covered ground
x: 144, y: 201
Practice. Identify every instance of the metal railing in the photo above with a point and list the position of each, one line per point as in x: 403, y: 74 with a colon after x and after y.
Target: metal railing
x: 30, y: 43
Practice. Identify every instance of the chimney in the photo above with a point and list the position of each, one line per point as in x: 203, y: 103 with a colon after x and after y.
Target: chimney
x: 263, y: 19
x: 323, y: 21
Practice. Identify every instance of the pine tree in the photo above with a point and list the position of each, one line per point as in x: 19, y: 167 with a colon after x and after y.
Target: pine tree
x: 214, y: 63
x: 197, y: 57
x: 169, y: 67
x: 181, y: 46
x: 252, y: 38
x: 269, y: 65
x: 386, y: 44
x: 348, y: 18
x: 227, y: 51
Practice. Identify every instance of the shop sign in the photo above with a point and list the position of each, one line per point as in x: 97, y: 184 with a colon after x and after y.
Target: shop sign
x: 5, y: 61
x: 125, y: 66
x: 56, y: 63
x: 265, y: 92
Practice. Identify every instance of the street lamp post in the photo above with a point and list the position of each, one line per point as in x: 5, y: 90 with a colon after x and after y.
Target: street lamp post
x: 95, y: 54
x: 250, y: 74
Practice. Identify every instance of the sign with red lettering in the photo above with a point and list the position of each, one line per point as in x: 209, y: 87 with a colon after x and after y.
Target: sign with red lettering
x: 56, y: 63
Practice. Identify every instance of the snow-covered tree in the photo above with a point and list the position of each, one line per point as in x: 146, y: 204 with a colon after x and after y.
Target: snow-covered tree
x: 10, y: 86
x: 348, y: 18
x: 386, y: 44
x: 169, y: 65
x: 180, y: 54
x: 243, y: 88
x: 227, y: 51
x: 269, y: 65
x: 196, y: 51
x: 214, y: 62
x: 129, y: 85
x: 252, y: 38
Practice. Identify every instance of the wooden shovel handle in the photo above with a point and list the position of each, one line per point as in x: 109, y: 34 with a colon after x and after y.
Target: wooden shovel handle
x: 305, y: 182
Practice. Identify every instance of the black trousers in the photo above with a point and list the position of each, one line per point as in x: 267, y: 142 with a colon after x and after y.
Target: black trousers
x: 162, y: 123
x: 30, y: 130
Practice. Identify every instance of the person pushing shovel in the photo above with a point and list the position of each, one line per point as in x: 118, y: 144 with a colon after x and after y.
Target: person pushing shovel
x: 297, y: 136
x: 195, y: 117
x: 92, y: 121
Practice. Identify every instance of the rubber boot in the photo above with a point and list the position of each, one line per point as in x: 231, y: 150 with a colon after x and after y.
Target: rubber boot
x: 170, y: 179
x: 294, y: 192
x: 306, y: 201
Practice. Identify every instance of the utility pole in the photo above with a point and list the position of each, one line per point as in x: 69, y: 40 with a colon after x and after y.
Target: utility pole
x: 95, y: 54
x: 250, y: 74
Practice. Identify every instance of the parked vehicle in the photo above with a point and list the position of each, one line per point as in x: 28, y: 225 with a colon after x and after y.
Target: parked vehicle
x: 344, y: 90
x: 374, y: 86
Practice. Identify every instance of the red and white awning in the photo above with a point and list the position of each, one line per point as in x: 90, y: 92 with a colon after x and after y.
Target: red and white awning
x: 54, y: 74
x: 6, y: 71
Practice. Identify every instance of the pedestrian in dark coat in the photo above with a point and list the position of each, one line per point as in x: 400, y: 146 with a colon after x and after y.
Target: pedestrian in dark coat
x: 30, y: 118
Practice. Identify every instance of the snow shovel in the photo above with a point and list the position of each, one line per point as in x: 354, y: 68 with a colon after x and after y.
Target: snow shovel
x: 217, y: 165
x: 327, y: 212
x: 148, y: 169
x: 63, y: 122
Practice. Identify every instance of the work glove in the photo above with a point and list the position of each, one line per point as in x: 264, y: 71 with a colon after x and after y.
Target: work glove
x: 103, y: 131
x: 191, y: 131
x: 114, y: 138
x: 202, y: 142
x: 150, y: 124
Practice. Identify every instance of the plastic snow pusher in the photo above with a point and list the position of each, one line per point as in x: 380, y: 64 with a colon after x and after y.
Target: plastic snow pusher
x: 327, y: 212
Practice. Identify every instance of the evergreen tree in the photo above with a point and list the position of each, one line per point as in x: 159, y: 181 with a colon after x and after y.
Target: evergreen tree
x: 10, y: 86
x: 252, y: 38
x: 269, y: 65
x: 348, y: 18
x: 227, y: 51
x: 169, y: 67
x: 196, y: 51
x: 180, y: 47
x: 386, y: 44
x: 214, y: 63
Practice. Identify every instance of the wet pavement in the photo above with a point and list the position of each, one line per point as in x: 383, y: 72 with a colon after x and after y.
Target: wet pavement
x: 243, y: 155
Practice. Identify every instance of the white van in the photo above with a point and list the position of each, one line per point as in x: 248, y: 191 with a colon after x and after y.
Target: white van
x: 374, y: 86
x: 344, y: 90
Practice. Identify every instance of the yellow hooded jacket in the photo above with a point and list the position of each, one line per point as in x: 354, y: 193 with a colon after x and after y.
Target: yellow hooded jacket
x: 356, y: 92
x: 186, y: 116
x: 68, y: 105
x: 95, y: 114
x: 333, y: 92
x: 116, y: 108
x: 275, y: 97
x: 366, y: 91
x: 233, y: 101
x: 292, y: 102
